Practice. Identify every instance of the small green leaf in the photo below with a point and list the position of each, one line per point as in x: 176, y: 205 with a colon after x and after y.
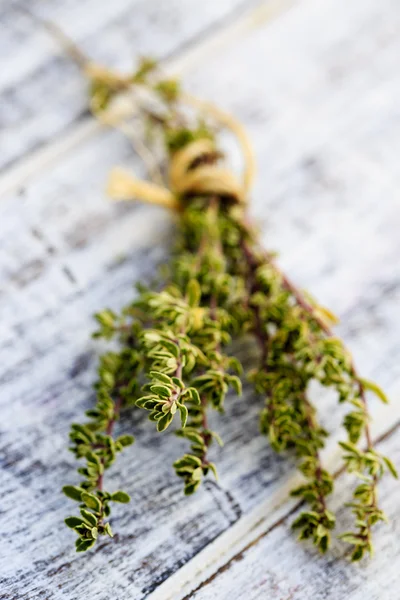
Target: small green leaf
x: 161, y: 390
x: 349, y: 447
x: 171, y: 347
x: 197, y: 474
x: 73, y: 492
x: 141, y: 402
x: 163, y: 423
x: 191, y: 487
x: 324, y: 543
x: 213, y: 468
x: 89, y: 517
x: 125, y: 440
x: 152, y: 336
x: 192, y: 434
x: 73, y: 522
x: 160, y: 377
x: 120, y: 496
x: 350, y: 538
x: 184, y: 414
x: 217, y: 438
x: 390, y: 466
x: 178, y: 382
x: 93, y: 458
x: 91, y: 501
x: 84, y: 544
x: 194, y: 395
x: 357, y: 554
x: 193, y: 293
x: 374, y: 388
x: 236, y: 384
x: 188, y: 459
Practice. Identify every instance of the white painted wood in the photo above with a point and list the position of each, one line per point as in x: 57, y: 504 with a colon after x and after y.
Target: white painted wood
x: 327, y: 194
x: 42, y: 93
x: 276, y: 566
x: 176, y: 63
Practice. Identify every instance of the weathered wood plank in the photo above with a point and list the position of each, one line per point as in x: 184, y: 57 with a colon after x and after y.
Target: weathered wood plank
x: 42, y: 93
x: 67, y: 252
x: 277, y: 567
x: 220, y: 555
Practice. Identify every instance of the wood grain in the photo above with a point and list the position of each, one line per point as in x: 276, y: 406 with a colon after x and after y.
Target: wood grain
x: 324, y: 122
x: 276, y: 567
x: 43, y: 94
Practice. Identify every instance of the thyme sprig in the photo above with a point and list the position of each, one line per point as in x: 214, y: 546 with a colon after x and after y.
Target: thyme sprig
x: 220, y: 285
x: 94, y: 441
x: 298, y: 346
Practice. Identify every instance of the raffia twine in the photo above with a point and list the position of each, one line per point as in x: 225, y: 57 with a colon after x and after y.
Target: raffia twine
x: 183, y: 179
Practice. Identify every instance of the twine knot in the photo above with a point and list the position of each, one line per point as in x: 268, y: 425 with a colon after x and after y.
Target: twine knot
x: 193, y: 171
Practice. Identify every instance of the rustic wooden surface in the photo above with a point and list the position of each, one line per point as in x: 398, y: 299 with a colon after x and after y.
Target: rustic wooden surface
x: 318, y: 86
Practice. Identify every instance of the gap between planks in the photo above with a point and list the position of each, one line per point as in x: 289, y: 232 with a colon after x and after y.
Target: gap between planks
x: 264, y: 518
x: 177, y: 63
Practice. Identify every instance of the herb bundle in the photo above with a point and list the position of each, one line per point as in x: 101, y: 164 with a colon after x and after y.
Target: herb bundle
x: 174, y: 339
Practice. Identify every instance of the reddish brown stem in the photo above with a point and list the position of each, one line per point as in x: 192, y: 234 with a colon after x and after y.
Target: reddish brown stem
x: 319, y: 469
x: 108, y: 431
x: 206, y: 436
x: 253, y: 263
x: 263, y: 343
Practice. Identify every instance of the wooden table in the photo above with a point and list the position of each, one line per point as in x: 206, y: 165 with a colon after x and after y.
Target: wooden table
x: 317, y: 83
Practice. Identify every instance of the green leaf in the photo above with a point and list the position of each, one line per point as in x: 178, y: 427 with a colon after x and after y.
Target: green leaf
x: 108, y: 379
x: 84, y: 544
x: 192, y: 434
x: 357, y: 554
x: 373, y: 387
x: 91, y: 501
x: 93, y: 458
x: 163, y: 423
x: 236, y: 384
x: 188, y: 459
x: 108, y: 530
x: 141, y: 402
x: 161, y: 390
x: 349, y: 447
x: 350, y: 538
x: 390, y: 466
x: 73, y: 492
x: 178, y: 382
x: 171, y: 347
x: 194, y: 395
x: 191, y: 487
x: 89, y: 517
x: 197, y: 474
x: 216, y: 437
x: 152, y: 336
x: 168, y: 89
x: 193, y: 293
x: 160, y: 377
x: 324, y: 543
x: 120, y: 496
x: 213, y: 468
x: 184, y: 414
x: 125, y: 440
x: 299, y: 521
x: 73, y: 522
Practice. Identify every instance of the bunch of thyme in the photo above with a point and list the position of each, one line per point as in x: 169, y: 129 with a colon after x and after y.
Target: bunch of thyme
x: 221, y: 284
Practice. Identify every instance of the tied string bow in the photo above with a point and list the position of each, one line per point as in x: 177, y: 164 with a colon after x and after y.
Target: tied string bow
x: 188, y: 175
